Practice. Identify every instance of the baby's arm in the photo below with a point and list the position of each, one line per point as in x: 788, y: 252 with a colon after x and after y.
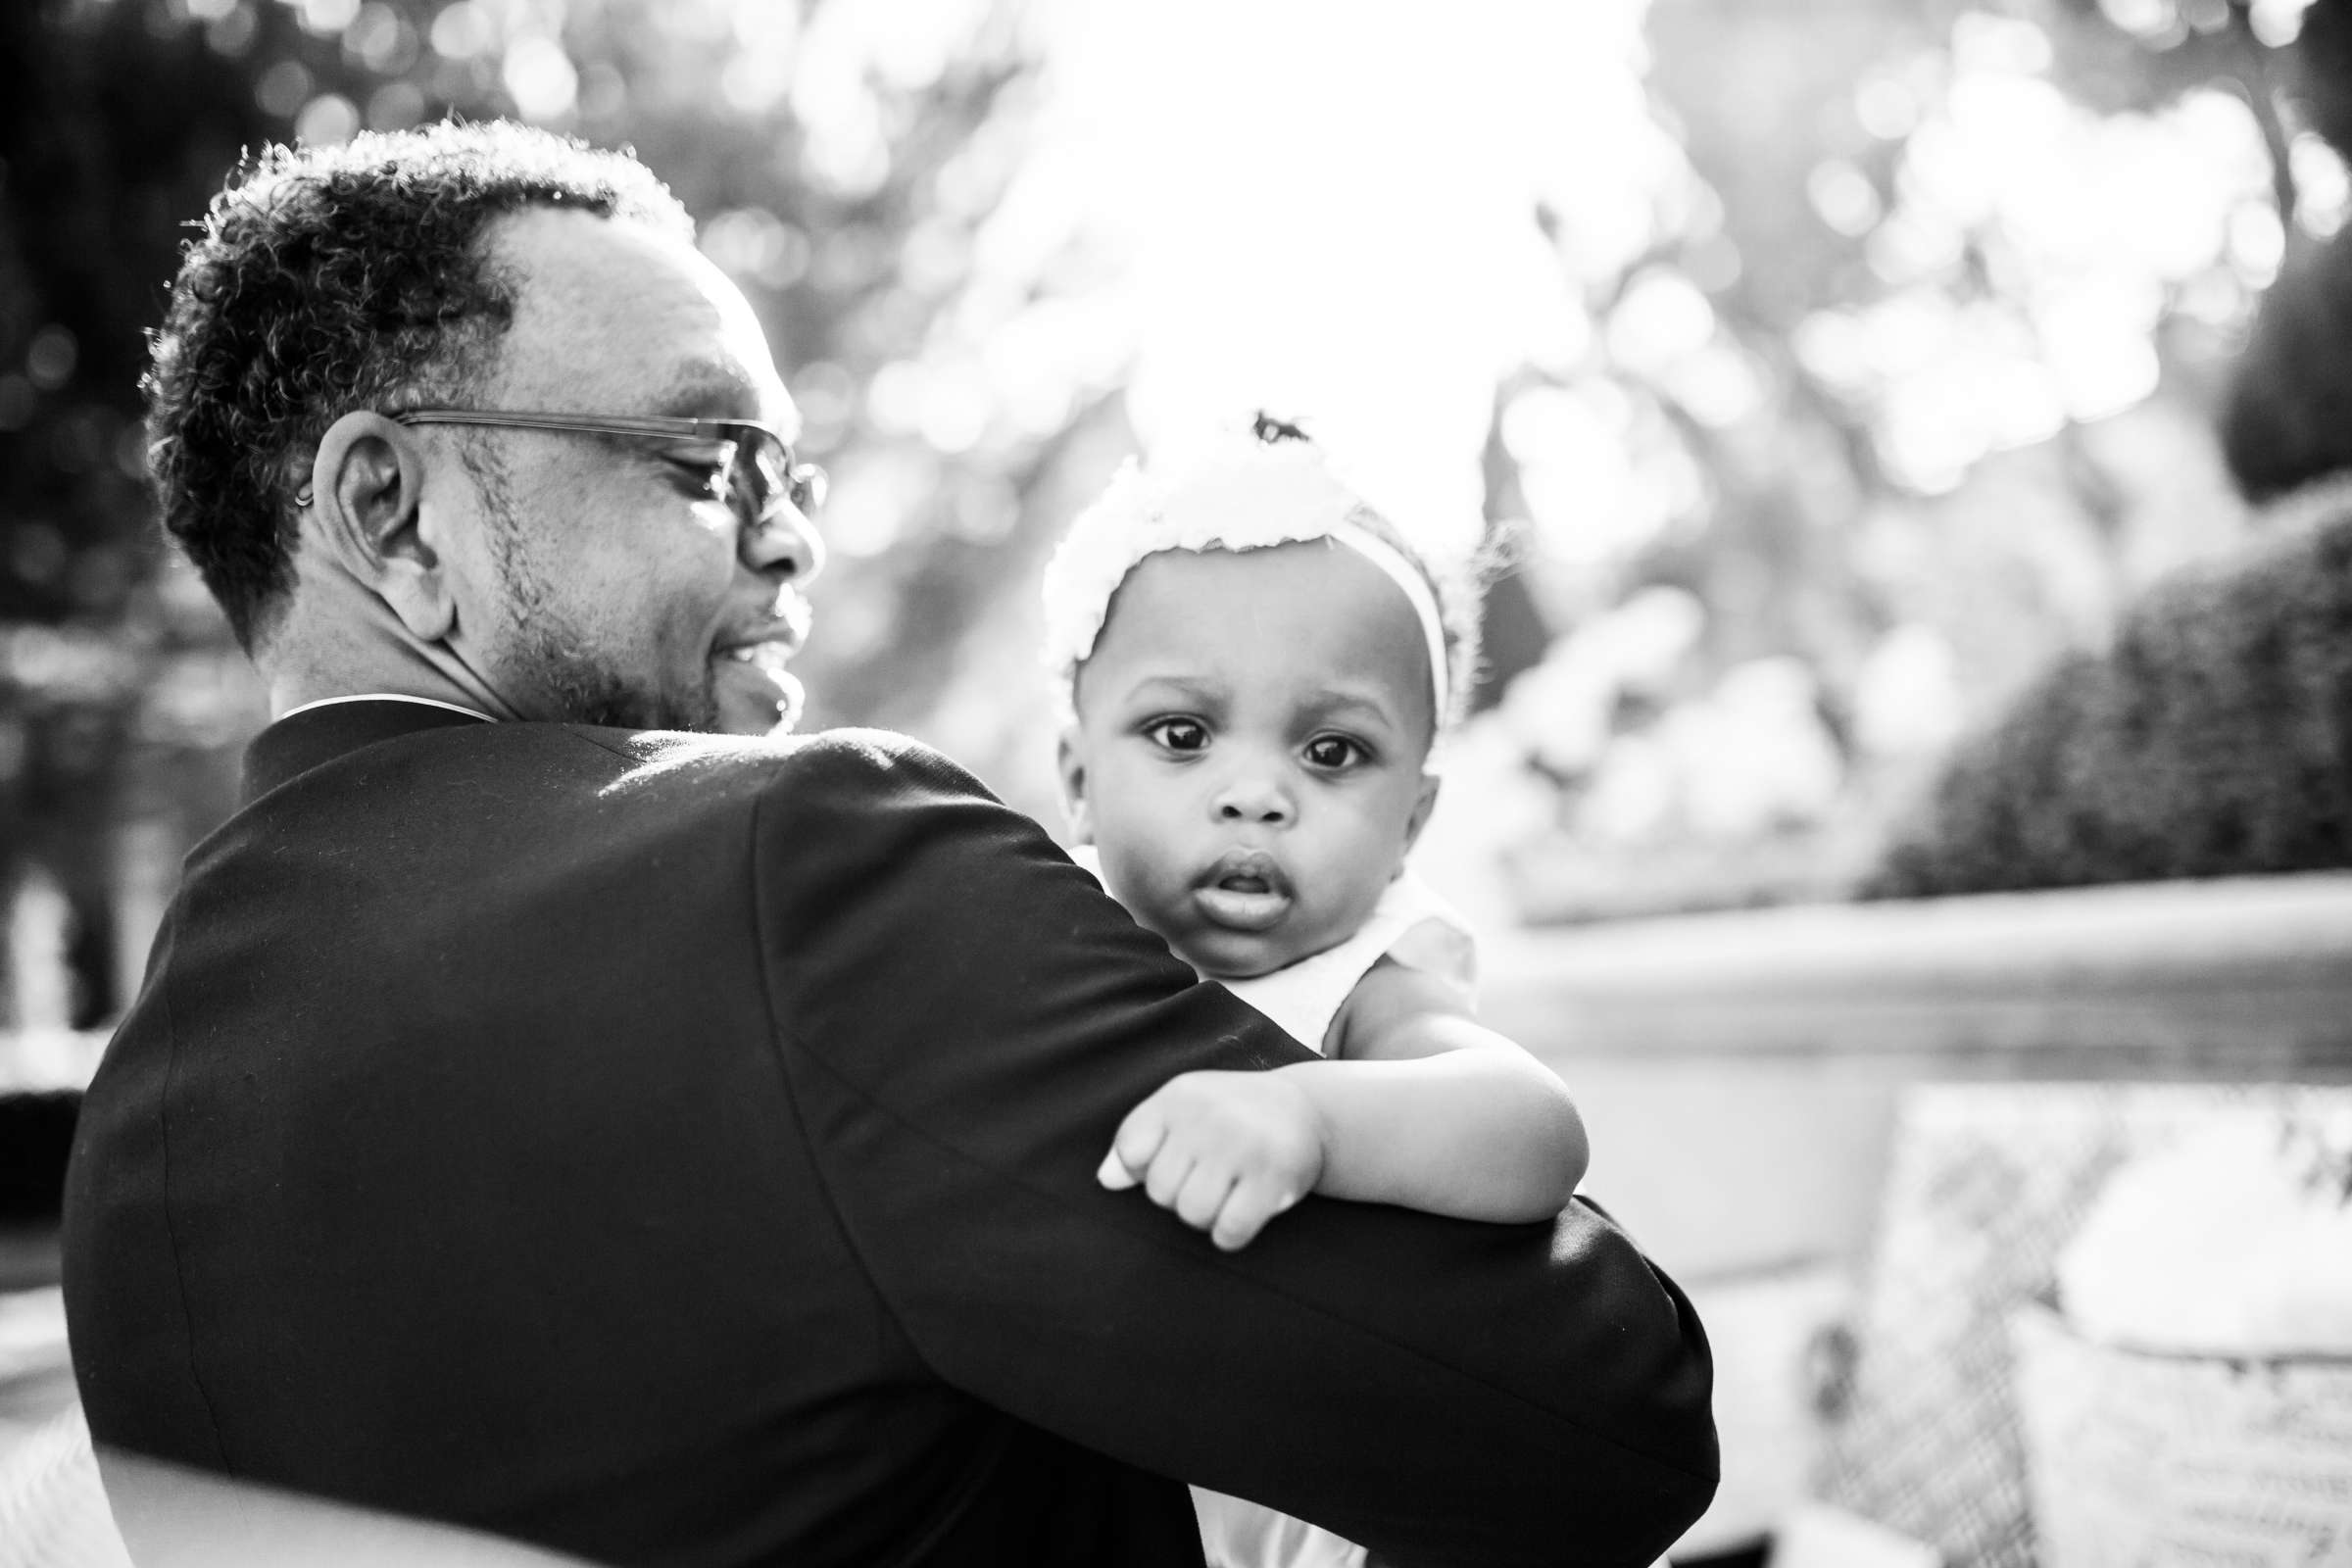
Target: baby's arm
x: 1424, y: 1108
x: 1428, y: 1108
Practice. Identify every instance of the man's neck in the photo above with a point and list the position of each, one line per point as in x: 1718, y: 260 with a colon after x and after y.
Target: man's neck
x: 311, y: 659
x: 309, y: 687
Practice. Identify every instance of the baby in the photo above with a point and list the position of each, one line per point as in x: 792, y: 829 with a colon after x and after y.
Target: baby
x: 1257, y: 669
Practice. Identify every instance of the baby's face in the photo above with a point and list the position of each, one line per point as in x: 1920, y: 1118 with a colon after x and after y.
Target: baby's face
x: 1248, y: 753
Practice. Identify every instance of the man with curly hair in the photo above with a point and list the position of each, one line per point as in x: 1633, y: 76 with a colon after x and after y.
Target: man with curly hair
x: 551, y: 1114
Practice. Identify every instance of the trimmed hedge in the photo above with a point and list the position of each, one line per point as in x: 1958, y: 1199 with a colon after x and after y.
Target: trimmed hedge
x: 2212, y: 738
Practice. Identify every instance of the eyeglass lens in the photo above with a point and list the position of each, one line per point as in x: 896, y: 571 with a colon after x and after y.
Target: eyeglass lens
x: 766, y: 473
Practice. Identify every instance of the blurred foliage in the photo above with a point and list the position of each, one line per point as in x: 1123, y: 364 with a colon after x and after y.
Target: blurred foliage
x: 2289, y: 421
x: 1898, y: 445
x: 111, y: 131
x: 842, y: 162
x: 2288, y: 417
x: 2209, y: 736
x: 1877, y: 354
x: 2213, y: 738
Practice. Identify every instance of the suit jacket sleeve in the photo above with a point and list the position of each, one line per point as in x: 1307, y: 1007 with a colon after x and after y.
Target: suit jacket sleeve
x: 964, y: 1019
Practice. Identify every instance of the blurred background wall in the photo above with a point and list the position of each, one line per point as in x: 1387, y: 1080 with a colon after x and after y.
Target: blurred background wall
x: 1839, y: 376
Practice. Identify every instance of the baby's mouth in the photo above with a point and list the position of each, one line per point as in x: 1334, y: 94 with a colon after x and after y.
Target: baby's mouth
x: 1246, y: 890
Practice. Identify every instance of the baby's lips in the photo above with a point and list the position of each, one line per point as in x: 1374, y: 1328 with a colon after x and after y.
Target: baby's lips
x: 1236, y: 910
x: 1257, y: 864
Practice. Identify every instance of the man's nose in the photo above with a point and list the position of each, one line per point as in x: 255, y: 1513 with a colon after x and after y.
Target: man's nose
x: 787, y: 546
x: 1254, y: 795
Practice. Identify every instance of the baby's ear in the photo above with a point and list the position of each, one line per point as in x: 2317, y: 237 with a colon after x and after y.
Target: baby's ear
x: 1422, y: 806
x: 1069, y: 759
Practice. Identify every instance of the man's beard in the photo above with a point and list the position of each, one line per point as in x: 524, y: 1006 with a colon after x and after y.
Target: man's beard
x: 584, y: 691
x: 550, y: 652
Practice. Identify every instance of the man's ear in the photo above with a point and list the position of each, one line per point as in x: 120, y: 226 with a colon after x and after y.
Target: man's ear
x: 366, y: 484
x: 1069, y: 760
x: 1425, y: 803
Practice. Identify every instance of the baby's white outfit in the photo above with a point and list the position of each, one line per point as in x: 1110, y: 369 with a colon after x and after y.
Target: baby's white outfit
x: 1411, y: 923
x: 1414, y: 924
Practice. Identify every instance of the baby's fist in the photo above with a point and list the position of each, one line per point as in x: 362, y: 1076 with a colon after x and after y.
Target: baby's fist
x: 1226, y: 1150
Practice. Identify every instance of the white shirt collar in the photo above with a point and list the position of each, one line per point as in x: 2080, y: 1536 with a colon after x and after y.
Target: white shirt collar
x: 386, y: 697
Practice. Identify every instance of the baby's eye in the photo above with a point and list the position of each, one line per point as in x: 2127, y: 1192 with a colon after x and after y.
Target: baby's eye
x: 1178, y: 734
x: 1332, y: 752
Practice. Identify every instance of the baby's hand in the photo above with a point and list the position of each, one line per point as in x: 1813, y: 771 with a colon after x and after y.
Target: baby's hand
x: 1226, y: 1150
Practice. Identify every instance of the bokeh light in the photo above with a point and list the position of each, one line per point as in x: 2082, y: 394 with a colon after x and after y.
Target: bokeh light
x: 1818, y: 378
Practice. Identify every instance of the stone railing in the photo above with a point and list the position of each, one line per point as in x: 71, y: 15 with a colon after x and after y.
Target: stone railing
x: 1739, y: 1075
x: 1739, y: 1071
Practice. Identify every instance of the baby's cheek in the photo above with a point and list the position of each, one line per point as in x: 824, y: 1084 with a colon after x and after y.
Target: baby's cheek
x: 1139, y: 880
x: 1353, y: 902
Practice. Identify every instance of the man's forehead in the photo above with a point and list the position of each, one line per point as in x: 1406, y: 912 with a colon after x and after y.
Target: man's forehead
x: 615, y: 308
x: 715, y: 389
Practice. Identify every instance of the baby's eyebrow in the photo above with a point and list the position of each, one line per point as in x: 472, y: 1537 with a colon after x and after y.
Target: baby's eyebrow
x: 1353, y: 704
x: 1186, y: 688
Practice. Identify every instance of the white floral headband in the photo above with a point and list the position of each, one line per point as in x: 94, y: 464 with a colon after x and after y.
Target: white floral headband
x: 1247, y: 494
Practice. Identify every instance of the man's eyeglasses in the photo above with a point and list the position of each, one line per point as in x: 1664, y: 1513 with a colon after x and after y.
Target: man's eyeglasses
x: 762, y: 472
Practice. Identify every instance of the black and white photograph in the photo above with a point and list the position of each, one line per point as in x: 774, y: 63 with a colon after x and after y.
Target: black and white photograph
x: 1106, y: 784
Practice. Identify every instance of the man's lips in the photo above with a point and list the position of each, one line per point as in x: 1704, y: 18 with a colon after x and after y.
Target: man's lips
x: 772, y: 642
x: 762, y: 650
x: 770, y: 654
x: 1245, y: 890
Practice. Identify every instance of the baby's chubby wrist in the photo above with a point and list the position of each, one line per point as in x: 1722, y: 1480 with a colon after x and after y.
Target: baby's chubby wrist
x: 1300, y: 1078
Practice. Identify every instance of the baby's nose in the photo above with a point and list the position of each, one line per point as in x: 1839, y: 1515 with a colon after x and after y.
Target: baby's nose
x: 1255, y: 798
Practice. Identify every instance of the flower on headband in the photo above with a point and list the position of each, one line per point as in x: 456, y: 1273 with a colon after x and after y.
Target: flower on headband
x: 1248, y: 490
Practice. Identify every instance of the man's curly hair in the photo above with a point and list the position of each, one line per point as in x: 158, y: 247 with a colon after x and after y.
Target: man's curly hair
x: 332, y: 278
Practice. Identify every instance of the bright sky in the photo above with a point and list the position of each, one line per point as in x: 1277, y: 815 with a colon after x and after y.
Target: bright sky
x: 1330, y: 207
x: 1327, y: 207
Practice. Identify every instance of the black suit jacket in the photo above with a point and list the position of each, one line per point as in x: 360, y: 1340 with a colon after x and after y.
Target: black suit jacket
x: 676, y: 1149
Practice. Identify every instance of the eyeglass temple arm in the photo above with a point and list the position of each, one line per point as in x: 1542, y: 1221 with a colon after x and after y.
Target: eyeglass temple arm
x: 613, y: 424
x: 527, y: 419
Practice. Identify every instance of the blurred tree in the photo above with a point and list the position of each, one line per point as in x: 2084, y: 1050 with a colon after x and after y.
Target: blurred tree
x: 846, y: 162
x: 114, y: 124
x: 1904, y: 389
x: 2322, y: 77
x: 2209, y: 736
x: 2288, y: 418
x: 1888, y: 329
